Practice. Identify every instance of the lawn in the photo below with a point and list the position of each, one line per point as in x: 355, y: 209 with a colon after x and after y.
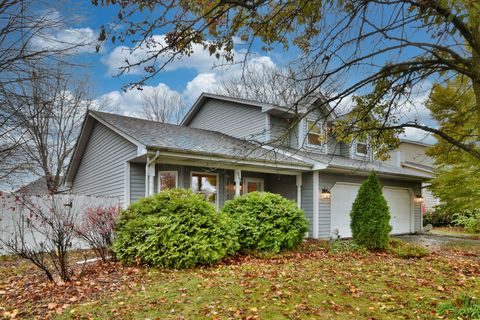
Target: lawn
x: 315, y: 282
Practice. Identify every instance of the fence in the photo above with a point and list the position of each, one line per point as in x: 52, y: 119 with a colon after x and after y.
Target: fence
x: 18, y: 211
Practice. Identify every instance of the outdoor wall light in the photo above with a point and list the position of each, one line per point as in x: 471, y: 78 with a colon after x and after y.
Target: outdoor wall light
x: 418, y: 198
x: 325, y: 194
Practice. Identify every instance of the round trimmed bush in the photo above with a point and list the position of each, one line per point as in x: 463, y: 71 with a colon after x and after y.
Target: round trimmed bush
x: 266, y: 221
x: 370, y: 216
x: 174, y: 229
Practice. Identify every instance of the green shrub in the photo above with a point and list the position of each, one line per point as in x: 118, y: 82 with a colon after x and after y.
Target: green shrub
x: 464, y: 307
x: 470, y: 220
x: 406, y: 250
x: 370, y: 216
x: 266, y: 221
x: 438, y: 218
x: 174, y: 229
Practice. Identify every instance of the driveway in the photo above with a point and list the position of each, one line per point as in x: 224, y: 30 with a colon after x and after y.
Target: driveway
x: 433, y: 240
x: 446, y: 245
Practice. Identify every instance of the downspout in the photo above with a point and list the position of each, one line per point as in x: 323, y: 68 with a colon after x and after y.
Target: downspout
x: 148, y: 176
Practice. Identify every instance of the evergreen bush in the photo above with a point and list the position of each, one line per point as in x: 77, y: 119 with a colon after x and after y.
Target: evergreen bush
x: 174, y: 229
x: 370, y: 216
x: 267, y: 221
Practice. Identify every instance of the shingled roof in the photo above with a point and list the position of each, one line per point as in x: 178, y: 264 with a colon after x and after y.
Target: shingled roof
x: 157, y: 135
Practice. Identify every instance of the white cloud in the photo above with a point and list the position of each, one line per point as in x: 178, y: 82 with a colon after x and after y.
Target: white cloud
x: 55, y: 35
x: 204, y: 82
x: 200, y: 58
x: 128, y: 103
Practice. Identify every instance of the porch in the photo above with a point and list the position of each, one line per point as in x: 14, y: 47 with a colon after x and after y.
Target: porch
x: 218, y: 181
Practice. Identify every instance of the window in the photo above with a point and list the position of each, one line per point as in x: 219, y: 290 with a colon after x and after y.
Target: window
x: 167, y: 180
x: 252, y: 184
x: 314, y: 135
x: 206, y: 184
x: 361, y: 148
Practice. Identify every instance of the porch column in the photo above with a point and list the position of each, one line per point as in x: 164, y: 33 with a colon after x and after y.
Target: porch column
x: 238, y: 180
x: 316, y: 191
x: 149, y: 177
x: 299, y: 190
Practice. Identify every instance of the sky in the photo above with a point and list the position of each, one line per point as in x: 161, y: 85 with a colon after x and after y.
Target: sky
x: 188, y: 77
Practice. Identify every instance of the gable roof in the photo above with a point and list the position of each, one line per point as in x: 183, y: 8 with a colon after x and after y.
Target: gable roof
x: 265, y: 107
x: 157, y: 135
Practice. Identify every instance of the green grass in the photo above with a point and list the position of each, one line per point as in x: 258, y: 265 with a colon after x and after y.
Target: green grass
x: 314, y: 283
x: 465, y: 307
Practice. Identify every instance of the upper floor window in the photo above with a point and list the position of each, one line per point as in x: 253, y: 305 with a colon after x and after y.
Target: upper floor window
x: 361, y: 148
x: 314, y: 135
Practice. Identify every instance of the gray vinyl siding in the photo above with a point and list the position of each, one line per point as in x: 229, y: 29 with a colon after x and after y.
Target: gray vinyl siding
x: 345, y: 149
x: 137, y: 181
x: 283, y: 185
x: 328, y: 180
x: 294, y: 137
x: 102, y: 168
x: 334, y: 147
x: 307, y: 199
x: 235, y: 119
x: 279, y: 131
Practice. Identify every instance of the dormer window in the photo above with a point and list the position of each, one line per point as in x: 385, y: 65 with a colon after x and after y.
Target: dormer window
x: 361, y: 148
x: 314, y: 135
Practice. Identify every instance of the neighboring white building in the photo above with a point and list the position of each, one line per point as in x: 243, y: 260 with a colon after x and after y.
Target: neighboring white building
x: 412, y: 155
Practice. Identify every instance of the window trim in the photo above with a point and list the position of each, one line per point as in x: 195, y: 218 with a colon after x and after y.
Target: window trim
x: 217, y: 198
x: 248, y: 179
x: 322, y: 133
x: 359, y: 154
x: 175, y: 172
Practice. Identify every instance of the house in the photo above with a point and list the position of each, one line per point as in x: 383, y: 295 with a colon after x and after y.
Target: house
x: 39, y: 187
x: 412, y: 154
x: 225, y: 147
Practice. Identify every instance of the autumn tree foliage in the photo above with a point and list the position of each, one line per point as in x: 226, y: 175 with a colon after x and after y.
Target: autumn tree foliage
x: 378, y: 52
x: 370, y: 216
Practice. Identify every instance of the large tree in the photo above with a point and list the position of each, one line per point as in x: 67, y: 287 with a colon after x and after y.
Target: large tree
x: 27, y: 40
x: 378, y: 50
x: 47, y: 110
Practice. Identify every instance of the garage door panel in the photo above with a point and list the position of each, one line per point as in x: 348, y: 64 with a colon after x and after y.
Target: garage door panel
x: 343, y: 196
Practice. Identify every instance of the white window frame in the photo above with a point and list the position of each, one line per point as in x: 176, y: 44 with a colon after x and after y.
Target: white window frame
x: 205, y: 174
x: 166, y: 171
x: 307, y: 132
x: 248, y: 179
x: 359, y: 154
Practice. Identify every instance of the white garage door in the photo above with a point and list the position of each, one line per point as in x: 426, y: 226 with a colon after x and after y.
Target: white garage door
x: 343, y: 195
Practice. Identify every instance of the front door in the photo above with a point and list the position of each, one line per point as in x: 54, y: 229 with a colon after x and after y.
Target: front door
x: 252, y: 184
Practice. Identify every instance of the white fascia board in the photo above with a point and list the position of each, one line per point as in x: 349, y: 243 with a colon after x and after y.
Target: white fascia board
x: 236, y: 161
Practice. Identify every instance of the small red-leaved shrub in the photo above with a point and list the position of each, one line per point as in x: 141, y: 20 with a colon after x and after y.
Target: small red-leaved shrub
x: 97, y: 229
